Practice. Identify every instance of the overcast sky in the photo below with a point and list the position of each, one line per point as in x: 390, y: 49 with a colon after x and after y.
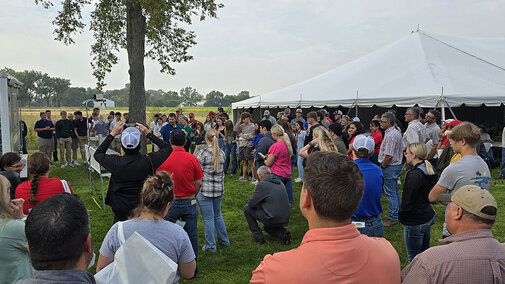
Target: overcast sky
x: 254, y: 45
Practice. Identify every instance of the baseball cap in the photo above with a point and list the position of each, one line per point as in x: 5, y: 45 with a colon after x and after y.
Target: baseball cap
x: 212, y: 113
x: 220, y: 109
x: 452, y: 122
x: 130, y: 138
x: 267, y: 112
x: 191, y: 114
x: 356, y: 119
x: 363, y: 142
x: 473, y: 199
x: 337, y: 112
x: 287, y: 111
x: 299, y: 110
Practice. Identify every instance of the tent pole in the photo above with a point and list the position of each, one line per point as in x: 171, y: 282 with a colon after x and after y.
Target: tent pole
x: 443, y: 105
x: 356, y: 103
x: 450, y: 109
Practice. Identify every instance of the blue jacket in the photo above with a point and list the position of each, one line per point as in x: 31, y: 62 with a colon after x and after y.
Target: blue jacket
x: 262, y: 147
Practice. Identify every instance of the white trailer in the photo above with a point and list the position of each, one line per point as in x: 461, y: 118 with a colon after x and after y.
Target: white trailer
x: 10, y: 118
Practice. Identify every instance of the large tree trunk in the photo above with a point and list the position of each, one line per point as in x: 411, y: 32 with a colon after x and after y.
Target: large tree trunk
x: 135, y: 41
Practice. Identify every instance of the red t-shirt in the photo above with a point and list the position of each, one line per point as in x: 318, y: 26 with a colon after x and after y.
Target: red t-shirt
x: 184, y: 169
x: 377, y: 138
x: 350, y: 145
x: 47, y: 188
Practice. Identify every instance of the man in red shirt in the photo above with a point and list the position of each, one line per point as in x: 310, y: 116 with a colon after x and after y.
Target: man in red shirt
x: 187, y: 175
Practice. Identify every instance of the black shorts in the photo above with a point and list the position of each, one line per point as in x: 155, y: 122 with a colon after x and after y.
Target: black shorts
x: 245, y: 153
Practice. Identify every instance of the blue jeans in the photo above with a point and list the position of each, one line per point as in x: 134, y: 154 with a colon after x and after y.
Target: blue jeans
x: 417, y: 238
x: 299, y: 164
x: 183, y: 209
x: 289, y: 189
x: 391, y: 177
x: 221, y: 143
x: 502, y: 173
x: 230, y: 149
x: 373, y: 227
x: 213, y: 222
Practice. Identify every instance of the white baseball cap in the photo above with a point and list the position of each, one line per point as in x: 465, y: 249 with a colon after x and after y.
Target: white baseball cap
x: 130, y: 138
x: 362, y: 141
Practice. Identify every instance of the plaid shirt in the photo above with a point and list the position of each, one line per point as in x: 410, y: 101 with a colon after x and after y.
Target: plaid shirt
x: 212, y: 182
x: 468, y: 257
x: 415, y: 133
x: 392, y: 146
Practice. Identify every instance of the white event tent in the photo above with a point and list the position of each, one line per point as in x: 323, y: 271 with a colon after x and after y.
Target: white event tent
x: 422, y: 68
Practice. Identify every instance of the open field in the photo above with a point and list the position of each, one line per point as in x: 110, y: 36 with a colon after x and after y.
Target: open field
x: 31, y: 115
x: 234, y: 264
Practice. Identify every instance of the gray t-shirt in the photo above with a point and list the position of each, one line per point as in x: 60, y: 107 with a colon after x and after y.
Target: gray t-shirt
x: 168, y: 237
x: 469, y: 170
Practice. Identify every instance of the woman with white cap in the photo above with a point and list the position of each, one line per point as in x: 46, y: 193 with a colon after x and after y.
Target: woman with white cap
x: 129, y: 171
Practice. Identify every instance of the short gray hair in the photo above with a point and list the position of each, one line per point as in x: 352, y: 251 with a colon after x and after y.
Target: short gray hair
x: 414, y: 111
x: 263, y: 171
x: 390, y: 117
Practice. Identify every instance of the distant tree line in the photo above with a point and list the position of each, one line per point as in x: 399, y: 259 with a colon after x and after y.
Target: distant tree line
x: 41, y: 90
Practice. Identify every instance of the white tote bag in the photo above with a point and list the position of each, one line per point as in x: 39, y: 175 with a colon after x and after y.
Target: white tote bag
x: 137, y: 261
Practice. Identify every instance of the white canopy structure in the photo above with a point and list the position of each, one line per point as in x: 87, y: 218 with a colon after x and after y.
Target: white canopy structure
x: 422, y: 68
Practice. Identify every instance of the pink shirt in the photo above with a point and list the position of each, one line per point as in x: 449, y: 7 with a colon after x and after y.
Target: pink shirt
x: 282, y: 162
x: 332, y: 255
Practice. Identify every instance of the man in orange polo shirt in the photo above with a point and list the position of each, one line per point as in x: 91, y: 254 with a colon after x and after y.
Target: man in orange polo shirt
x: 333, y: 250
x: 187, y: 175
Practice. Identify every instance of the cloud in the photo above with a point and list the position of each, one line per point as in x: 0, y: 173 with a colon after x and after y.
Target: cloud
x: 257, y: 45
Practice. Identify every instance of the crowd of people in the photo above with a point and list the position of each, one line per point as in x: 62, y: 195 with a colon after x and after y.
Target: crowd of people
x: 345, y: 170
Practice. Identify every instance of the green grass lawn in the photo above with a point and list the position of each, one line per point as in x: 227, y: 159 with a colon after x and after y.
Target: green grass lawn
x: 235, y: 264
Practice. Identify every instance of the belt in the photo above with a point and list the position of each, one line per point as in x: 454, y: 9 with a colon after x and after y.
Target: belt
x: 185, y: 197
x: 365, y: 218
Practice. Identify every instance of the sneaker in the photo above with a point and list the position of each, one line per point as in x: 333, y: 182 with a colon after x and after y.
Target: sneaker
x: 254, y: 181
x: 242, y: 179
x: 84, y: 163
x: 63, y: 166
x: 205, y: 249
x: 76, y: 163
x: 286, y: 238
x: 298, y: 179
x: 70, y: 164
x: 390, y: 223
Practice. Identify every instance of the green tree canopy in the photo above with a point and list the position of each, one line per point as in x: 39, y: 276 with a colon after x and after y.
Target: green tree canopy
x: 190, y: 96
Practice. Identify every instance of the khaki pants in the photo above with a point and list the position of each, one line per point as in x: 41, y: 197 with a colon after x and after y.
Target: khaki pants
x: 46, y: 145
x: 65, y: 145
x: 75, y: 145
x: 82, y: 141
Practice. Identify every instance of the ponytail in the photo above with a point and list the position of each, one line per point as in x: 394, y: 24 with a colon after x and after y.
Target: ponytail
x: 286, y: 140
x: 216, y: 152
x: 38, y: 164
x: 420, y: 150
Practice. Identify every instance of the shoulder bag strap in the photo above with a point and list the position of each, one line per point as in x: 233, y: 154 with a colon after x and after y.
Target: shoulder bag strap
x: 120, y: 233
x: 152, y: 166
